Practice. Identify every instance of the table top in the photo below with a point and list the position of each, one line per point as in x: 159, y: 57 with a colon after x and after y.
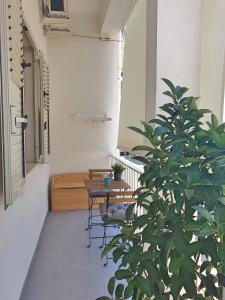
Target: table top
x: 99, y: 185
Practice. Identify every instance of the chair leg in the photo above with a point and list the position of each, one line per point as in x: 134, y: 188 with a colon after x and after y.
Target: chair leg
x: 103, y: 239
x: 104, y: 243
x: 89, y: 237
x: 89, y: 214
x: 89, y: 226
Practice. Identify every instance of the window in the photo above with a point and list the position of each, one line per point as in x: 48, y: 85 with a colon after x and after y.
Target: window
x: 1, y: 151
x: 31, y: 105
x: 57, y: 5
x: 5, y: 148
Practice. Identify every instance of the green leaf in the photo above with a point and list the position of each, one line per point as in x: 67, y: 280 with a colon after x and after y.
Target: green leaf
x: 143, y: 284
x: 142, y: 159
x: 204, y: 212
x: 119, y: 290
x: 164, y: 117
x: 188, y: 281
x: 221, y: 254
x: 221, y: 278
x: 214, y: 121
x: 141, y: 221
x: 168, y: 93
x: 123, y: 274
x: 205, y: 231
x: 176, y: 286
x: 176, y: 263
x: 189, y: 193
x: 170, y: 85
x: 180, y: 91
x: 205, y: 265
x: 104, y: 298
x: 162, y: 297
x: 209, y: 285
x: 222, y: 200
x: 117, y: 253
x: 129, y: 291
x: 136, y: 129
x: 130, y: 211
x: 148, y: 128
x: 111, y: 286
x: 209, y: 247
x: 168, y: 108
x: 111, y: 245
x: 193, y: 226
x: 143, y: 148
x: 160, y: 130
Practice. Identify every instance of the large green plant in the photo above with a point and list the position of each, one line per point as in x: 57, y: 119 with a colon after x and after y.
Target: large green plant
x: 176, y: 248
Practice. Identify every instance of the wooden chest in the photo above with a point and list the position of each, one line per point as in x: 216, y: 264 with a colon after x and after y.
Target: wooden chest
x: 68, y: 192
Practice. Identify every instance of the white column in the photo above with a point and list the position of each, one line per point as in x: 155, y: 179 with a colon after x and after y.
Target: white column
x: 178, y: 45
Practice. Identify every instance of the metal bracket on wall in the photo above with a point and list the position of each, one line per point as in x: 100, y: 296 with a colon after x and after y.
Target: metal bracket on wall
x: 16, y: 120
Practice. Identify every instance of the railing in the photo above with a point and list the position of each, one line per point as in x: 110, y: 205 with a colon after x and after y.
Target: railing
x: 131, y: 172
x: 130, y: 175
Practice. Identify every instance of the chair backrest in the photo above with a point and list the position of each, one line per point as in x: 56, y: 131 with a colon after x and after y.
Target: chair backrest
x: 121, y: 197
x: 99, y: 173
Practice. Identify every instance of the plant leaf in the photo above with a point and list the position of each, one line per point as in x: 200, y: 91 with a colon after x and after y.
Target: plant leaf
x: 203, y: 212
x: 143, y: 284
x: 119, y: 290
x: 189, y: 193
x: 222, y: 200
x: 170, y: 85
x: 123, y: 274
x: 129, y: 211
x: 111, y: 286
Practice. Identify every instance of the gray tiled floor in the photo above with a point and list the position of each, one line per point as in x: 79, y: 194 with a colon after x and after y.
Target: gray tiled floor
x: 63, y: 268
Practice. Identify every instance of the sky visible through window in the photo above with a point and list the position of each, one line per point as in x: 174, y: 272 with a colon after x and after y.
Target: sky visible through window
x: 57, y: 5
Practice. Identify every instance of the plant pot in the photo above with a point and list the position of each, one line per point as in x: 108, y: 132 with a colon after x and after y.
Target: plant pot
x: 117, y: 176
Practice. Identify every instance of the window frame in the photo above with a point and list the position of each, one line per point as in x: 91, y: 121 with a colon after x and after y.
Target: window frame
x: 53, y: 13
x: 5, y: 106
x: 37, y: 121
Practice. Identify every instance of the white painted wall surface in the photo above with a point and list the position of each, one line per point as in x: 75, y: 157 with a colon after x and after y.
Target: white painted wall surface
x: 212, y: 56
x: 134, y: 78
x: 20, y: 226
x: 178, y: 46
x: 21, y: 223
x: 83, y: 79
x: 32, y: 18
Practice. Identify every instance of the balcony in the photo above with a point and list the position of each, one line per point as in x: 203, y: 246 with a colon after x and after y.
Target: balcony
x: 74, y: 74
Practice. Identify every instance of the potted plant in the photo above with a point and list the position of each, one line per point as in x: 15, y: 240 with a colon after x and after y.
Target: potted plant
x: 176, y: 248
x: 118, y: 169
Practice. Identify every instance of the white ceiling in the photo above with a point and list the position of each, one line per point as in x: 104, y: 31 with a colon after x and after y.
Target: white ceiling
x: 85, y: 7
x: 99, y: 17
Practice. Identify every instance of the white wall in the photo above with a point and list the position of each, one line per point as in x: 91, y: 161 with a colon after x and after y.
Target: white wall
x: 134, y: 78
x: 21, y: 223
x: 212, y: 55
x: 20, y: 226
x: 83, y: 79
x: 178, y: 45
x: 31, y: 14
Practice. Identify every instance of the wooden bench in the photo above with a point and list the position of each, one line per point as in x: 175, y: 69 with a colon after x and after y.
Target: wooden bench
x: 68, y: 191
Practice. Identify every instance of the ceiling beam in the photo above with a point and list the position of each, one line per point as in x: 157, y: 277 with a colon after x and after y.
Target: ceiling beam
x: 114, y: 16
